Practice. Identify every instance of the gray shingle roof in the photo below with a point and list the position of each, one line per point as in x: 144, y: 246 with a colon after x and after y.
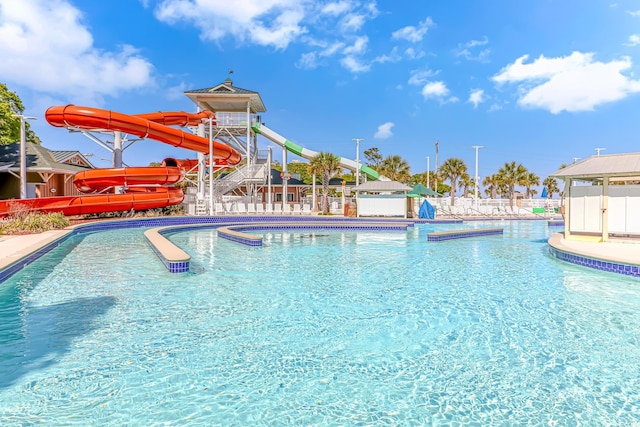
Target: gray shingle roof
x: 38, y: 159
x: 612, y: 165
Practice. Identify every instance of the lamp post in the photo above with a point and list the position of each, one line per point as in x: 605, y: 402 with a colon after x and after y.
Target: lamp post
x: 428, y: 173
x: 23, y: 154
x: 269, y: 197
x: 211, y: 164
x: 357, y: 140
x: 475, y: 183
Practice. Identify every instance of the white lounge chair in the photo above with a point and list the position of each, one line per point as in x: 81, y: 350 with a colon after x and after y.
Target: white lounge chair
x: 251, y: 208
x: 296, y: 209
x: 241, y: 208
x: 259, y: 208
x: 306, y: 209
x: 277, y: 209
x: 269, y: 209
x: 219, y: 208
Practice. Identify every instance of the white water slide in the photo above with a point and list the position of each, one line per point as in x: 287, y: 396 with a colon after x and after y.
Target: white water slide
x: 309, y: 154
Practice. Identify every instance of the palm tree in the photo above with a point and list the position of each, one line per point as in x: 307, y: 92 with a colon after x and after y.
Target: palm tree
x: 552, y: 186
x: 466, y: 184
x: 327, y: 166
x: 492, y: 185
x: 395, y: 168
x: 529, y: 181
x: 452, y: 169
x: 512, y: 174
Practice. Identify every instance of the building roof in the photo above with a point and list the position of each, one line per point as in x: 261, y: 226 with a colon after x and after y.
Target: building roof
x: 226, y: 97
x: 382, y: 186
x: 39, y: 159
x: 625, y: 165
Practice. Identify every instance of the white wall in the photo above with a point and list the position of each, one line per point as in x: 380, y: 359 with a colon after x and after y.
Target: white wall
x: 382, y: 205
x: 585, y: 209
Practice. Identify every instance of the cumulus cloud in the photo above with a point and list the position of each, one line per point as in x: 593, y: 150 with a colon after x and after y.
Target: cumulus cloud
x: 51, y: 34
x: 634, y: 40
x: 354, y: 64
x: 384, y: 131
x: 420, y: 77
x: 412, y: 33
x: 267, y: 23
x: 437, y: 90
x: 467, y: 51
x: 476, y: 97
x: 633, y: 12
x: 336, y: 8
x: 571, y: 83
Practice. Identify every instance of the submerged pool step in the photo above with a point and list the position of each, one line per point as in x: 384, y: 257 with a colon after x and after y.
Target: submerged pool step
x: 440, y: 236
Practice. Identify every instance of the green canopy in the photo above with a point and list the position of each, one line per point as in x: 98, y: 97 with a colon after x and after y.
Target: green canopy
x: 421, y: 191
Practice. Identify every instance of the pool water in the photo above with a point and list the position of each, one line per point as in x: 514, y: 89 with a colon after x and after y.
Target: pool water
x: 319, y: 328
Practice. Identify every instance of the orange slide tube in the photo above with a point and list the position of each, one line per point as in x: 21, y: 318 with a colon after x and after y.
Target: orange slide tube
x: 143, y: 184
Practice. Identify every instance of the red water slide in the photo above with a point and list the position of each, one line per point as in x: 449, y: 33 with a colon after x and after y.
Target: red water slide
x: 145, y: 186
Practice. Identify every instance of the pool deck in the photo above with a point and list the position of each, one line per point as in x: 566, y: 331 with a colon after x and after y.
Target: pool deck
x: 16, y: 247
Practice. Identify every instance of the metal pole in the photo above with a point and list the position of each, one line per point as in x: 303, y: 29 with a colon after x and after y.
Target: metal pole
x: 357, y: 140
x: 23, y: 154
x: 436, y: 184
x: 475, y: 183
x: 599, y: 149
x: 428, y: 173
x: 211, y: 164
x: 269, y: 196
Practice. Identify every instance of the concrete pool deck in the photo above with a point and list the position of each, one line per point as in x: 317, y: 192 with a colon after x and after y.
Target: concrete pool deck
x: 15, y: 247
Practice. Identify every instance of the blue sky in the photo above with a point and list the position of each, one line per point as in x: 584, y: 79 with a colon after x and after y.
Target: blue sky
x: 539, y: 82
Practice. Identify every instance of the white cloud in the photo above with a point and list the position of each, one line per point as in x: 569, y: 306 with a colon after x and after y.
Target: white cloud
x: 358, y: 47
x: 634, y: 40
x: 352, y: 22
x: 264, y: 22
x: 45, y: 45
x: 420, y: 77
x: 412, y: 33
x: 354, y: 64
x: 336, y: 8
x: 308, y: 61
x: 476, y: 97
x: 633, y: 12
x: 384, y: 131
x: 437, y: 90
x: 393, y: 56
x: 466, y: 50
x: 411, y: 53
x: 571, y: 83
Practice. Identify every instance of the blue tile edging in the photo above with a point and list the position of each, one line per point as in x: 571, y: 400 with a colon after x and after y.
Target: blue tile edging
x: 595, y: 263
x: 196, y: 221
x: 462, y: 234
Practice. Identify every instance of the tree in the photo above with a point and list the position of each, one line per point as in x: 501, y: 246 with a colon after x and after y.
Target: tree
x: 395, y: 168
x: 10, y: 105
x: 452, y: 169
x: 492, y: 185
x: 466, y: 184
x: 373, y: 156
x: 529, y: 181
x: 325, y: 165
x: 301, y: 168
x: 512, y: 174
x: 552, y: 186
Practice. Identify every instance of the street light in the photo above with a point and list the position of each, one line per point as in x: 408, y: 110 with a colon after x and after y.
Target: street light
x: 357, y: 140
x: 23, y: 155
x: 475, y: 183
x: 211, y: 165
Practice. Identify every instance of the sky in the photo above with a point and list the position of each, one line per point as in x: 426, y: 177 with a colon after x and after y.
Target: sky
x: 540, y: 82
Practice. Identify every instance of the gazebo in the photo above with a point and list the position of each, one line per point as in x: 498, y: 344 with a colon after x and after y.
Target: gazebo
x: 602, y: 197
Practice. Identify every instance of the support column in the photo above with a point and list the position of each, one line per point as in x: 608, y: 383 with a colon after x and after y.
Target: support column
x: 201, y: 167
x: 117, y: 156
x: 314, y: 201
x: 605, y: 209
x: 567, y: 208
x: 285, y: 181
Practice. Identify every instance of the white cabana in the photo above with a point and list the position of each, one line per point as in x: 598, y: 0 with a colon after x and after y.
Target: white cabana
x: 602, y: 197
x: 382, y: 199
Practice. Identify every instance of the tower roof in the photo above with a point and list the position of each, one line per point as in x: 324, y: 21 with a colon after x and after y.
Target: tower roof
x: 226, y: 97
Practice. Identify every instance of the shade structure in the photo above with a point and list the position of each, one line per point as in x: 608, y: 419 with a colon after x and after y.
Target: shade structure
x: 421, y: 191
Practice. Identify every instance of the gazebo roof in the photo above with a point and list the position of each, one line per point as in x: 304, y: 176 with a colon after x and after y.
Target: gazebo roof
x: 625, y: 165
x: 226, y: 97
x: 382, y: 186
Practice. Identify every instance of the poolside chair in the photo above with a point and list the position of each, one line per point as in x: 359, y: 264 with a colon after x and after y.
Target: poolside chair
x: 269, y: 209
x: 277, y: 209
x: 296, y: 209
x: 241, y: 208
x: 251, y: 208
x: 218, y: 208
x: 259, y: 208
x: 306, y: 209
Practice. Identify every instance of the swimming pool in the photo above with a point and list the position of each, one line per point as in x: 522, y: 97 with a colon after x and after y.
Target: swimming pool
x: 319, y: 328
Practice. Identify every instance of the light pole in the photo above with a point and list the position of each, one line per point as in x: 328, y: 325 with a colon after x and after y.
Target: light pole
x: 357, y: 140
x: 428, y: 173
x: 23, y: 154
x: 475, y: 183
x: 269, y: 197
x: 211, y: 168
x: 598, y: 150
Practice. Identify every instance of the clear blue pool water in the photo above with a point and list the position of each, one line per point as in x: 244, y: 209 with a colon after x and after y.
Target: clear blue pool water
x: 319, y: 328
